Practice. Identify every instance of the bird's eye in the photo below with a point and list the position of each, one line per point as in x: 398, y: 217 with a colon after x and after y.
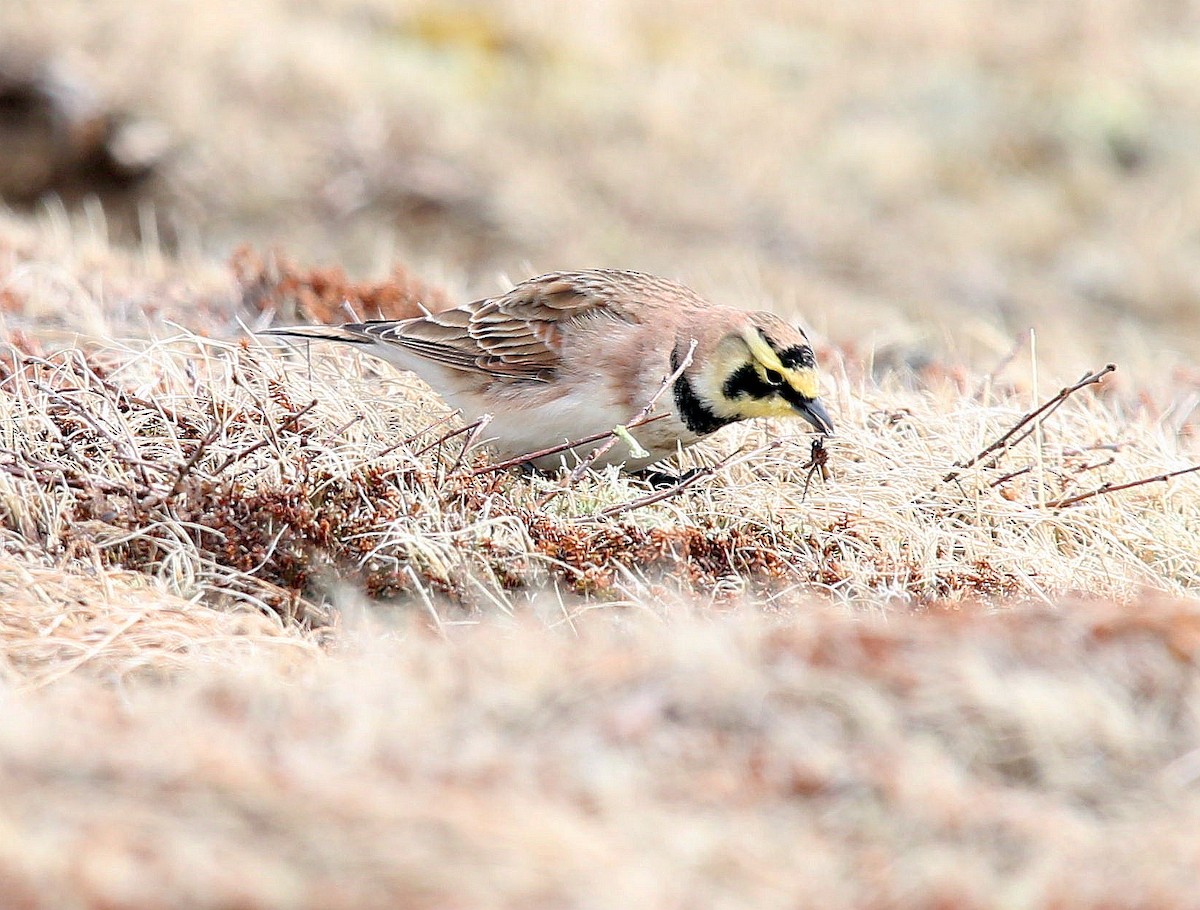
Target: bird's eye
x: 774, y: 377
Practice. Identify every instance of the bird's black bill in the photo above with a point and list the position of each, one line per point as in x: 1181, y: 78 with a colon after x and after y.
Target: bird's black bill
x: 814, y: 412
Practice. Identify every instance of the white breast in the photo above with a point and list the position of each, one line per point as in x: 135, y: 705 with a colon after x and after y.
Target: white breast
x: 575, y: 416
x: 529, y: 417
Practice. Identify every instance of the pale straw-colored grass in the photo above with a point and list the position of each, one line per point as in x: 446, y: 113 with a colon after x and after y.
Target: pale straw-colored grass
x: 116, y: 626
x: 1044, y: 758
x: 313, y: 468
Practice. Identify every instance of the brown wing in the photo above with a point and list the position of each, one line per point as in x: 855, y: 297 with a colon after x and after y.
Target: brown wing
x: 516, y: 335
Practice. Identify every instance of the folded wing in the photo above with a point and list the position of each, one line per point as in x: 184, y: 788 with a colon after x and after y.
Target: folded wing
x: 517, y: 335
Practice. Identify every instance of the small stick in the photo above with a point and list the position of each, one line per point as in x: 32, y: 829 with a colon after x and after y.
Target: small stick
x: 479, y: 426
x: 79, y: 480
x: 1107, y: 488
x: 638, y: 419
x: 265, y: 441
x: 554, y: 450
x: 84, y: 370
x: 408, y: 440
x: 131, y: 456
x: 1042, y: 411
x: 240, y: 382
x: 998, y: 368
x: 1039, y: 437
x: 671, y: 491
x: 446, y: 437
x: 735, y: 457
x: 1098, y: 447
x: 620, y: 432
x: 1099, y: 464
x: 186, y: 467
x: 1012, y: 475
x: 238, y: 456
x: 347, y: 425
x: 295, y: 416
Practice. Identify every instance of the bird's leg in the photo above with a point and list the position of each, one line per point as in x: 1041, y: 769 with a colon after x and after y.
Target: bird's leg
x: 531, y: 472
x: 661, y: 480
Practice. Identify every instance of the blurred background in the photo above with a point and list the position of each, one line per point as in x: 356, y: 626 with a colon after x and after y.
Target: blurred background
x: 918, y: 180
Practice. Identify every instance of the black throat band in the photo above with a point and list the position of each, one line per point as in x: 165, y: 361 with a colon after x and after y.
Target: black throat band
x: 695, y: 414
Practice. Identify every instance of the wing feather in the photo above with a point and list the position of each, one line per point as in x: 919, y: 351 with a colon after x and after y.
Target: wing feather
x: 519, y: 334
x: 516, y: 335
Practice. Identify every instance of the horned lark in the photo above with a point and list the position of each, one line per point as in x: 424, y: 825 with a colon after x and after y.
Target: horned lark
x: 570, y: 354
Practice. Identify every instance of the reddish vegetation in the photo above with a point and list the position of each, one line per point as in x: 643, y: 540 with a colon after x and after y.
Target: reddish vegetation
x: 272, y: 283
x: 701, y: 557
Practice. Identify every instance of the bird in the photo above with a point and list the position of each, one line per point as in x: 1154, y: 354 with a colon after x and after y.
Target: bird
x: 572, y: 354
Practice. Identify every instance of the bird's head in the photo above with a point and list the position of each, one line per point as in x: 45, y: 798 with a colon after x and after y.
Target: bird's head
x: 762, y: 368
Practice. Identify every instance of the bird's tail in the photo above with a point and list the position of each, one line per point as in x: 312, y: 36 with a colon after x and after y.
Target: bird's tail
x: 321, y: 333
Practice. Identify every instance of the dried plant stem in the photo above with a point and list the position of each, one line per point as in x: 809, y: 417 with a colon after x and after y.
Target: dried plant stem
x: 125, y: 449
x: 735, y: 457
x: 28, y: 468
x: 187, y: 467
x: 469, y: 429
x: 997, y: 449
x: 473, y: 437
x: 615, y: 435
x: 638, y: 419
x: 668, y: 492
x: 1012, y: 475
x: 1105, y: 489
x: 265, y: 441
x: 409, y: 440
x: 554, y: 450
x: 986, y: 382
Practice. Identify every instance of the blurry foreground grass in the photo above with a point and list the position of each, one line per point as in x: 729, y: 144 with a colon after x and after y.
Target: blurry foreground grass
x: 1032, y: 759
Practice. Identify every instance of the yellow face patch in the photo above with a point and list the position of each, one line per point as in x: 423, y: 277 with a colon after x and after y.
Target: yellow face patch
x: 764, y: 407
x: 803, y: 380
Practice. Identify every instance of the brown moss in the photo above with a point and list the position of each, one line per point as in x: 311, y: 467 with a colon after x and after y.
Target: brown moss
x: 700, y: 557
x: 272, y: 283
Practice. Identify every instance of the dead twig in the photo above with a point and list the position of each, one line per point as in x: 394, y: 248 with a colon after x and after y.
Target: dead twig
x: 408, y: 440
x: 1012, y: 475
x: 999, y: 368
x: 737, y: 456
x: 125, y: 450
x: 554, y: 450
x: 638, y: 419
x: 1006, y: 441
x: 187, y: 467
x: 127, y: 398
x: 615, y: 434
x: 29, y: 467
x: 1105, y: 489
x: 250, y: 450
x: 446, y: 437
x: 347, y: 425
x: 669, y: 492
x: 479, y: 426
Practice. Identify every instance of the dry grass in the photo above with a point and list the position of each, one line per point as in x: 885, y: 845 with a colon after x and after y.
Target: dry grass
x: 228, y: 468
x: 547, y: 706
x: 1047, y: 758
x: 116, y: 625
